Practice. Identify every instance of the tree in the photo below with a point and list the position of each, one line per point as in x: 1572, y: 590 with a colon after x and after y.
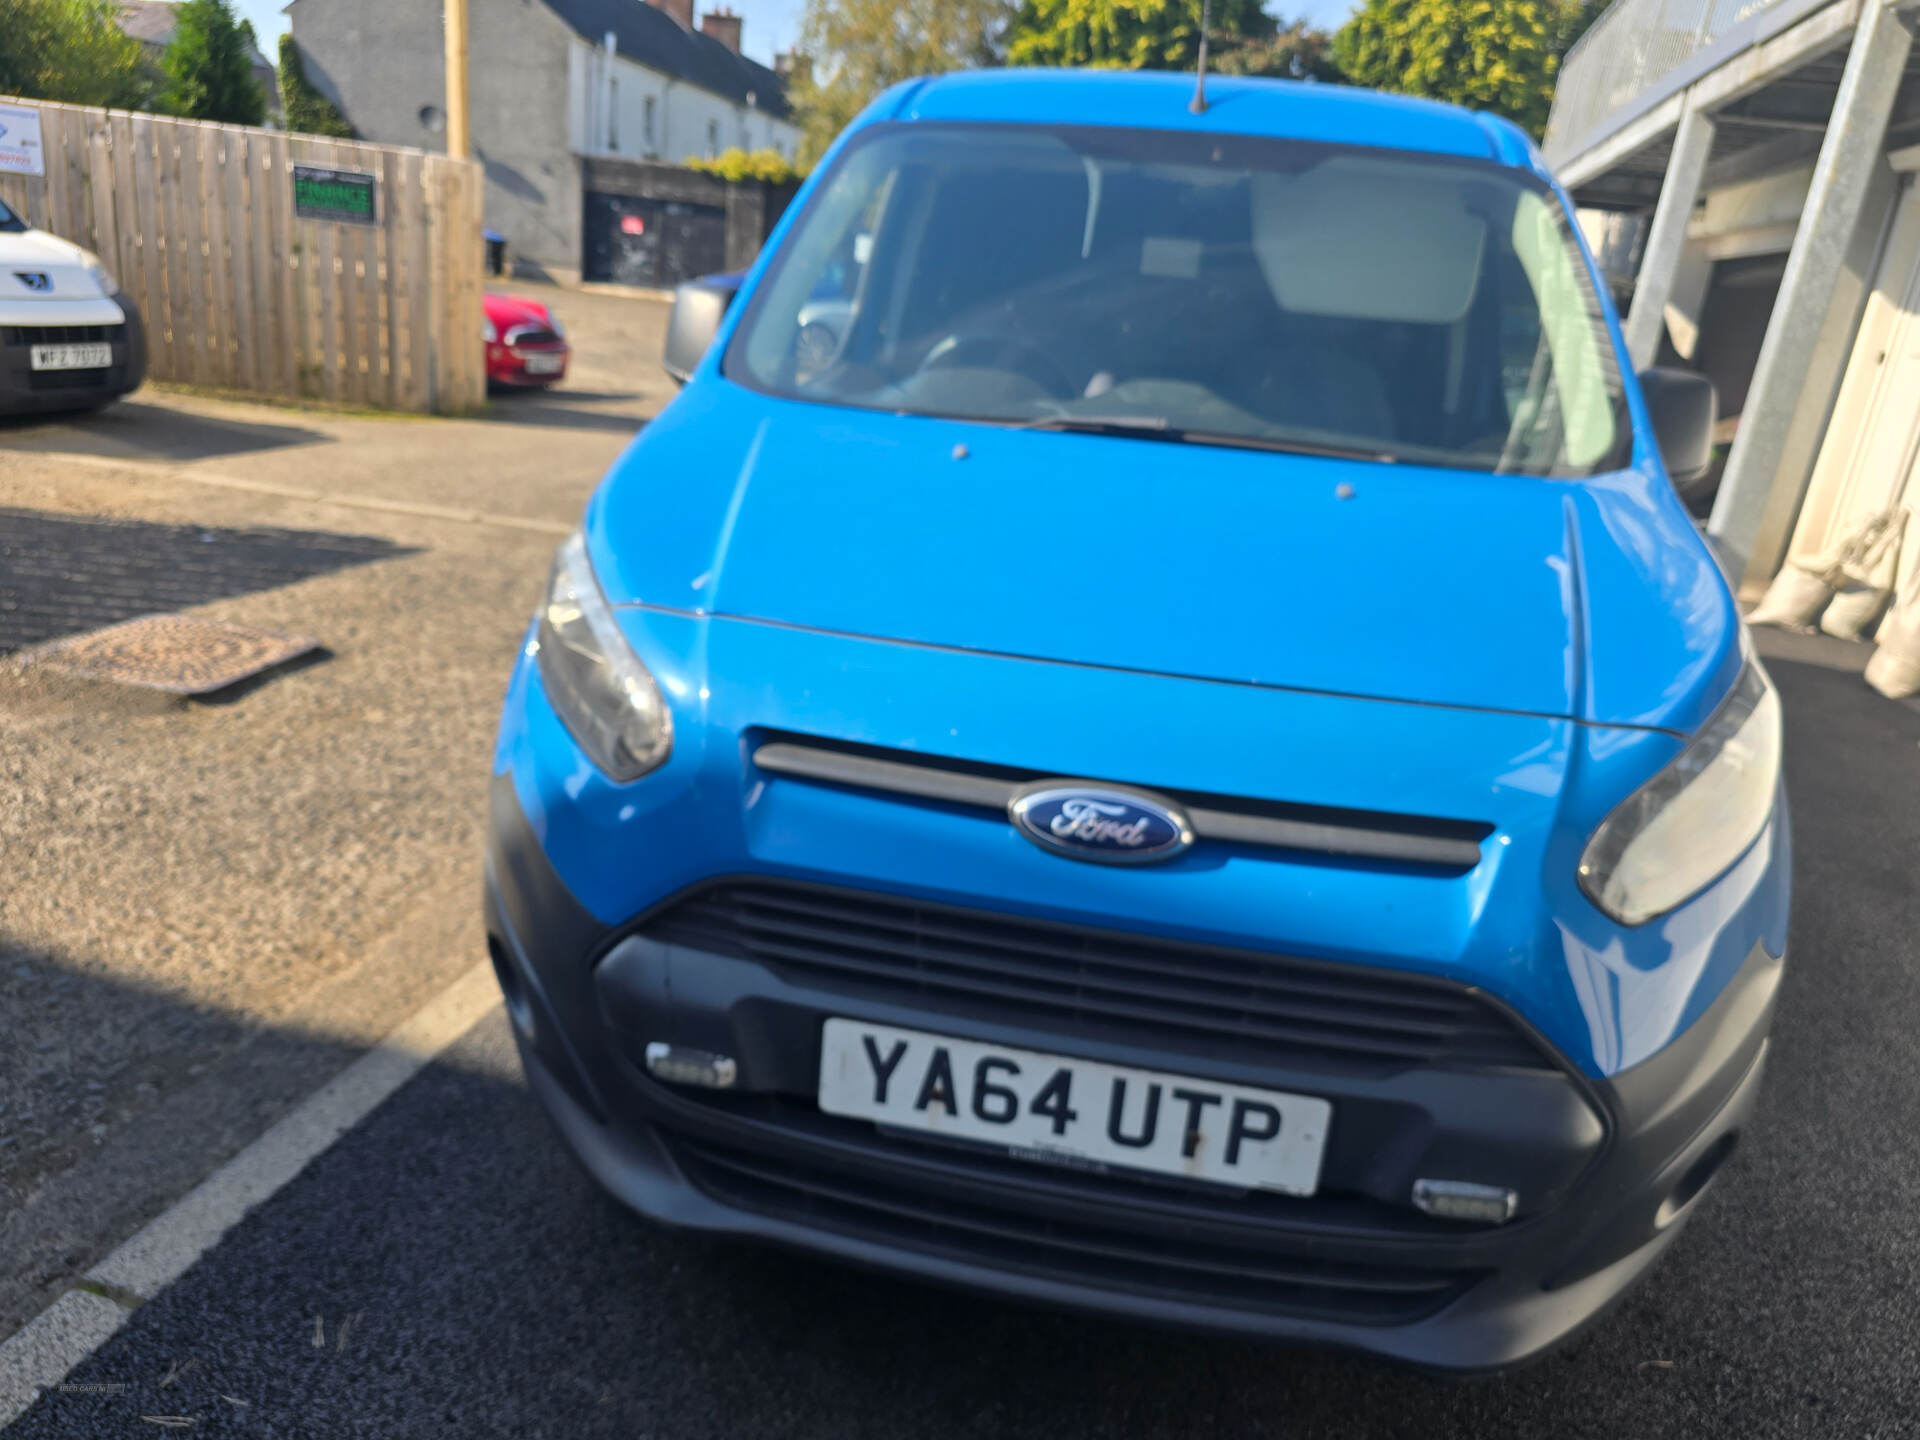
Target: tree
x: 308, y: 111
x: 1576, y: 17
x: 1498, y: 55
x: 209, y: 66
x: 69, y: 50
x: 857, y: 48
x: 740, y: 165
x: 1130, y: 34
x: 1295, y: 51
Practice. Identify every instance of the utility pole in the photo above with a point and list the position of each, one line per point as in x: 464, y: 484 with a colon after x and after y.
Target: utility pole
x: 459, y: 132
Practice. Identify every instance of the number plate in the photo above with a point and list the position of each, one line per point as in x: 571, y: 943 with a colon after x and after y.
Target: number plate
x: 544, y: 364
x: 70, y: 357
x: 1080, y: 1113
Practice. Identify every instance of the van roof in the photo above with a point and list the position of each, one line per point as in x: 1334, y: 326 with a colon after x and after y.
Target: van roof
x: 1286, y: 109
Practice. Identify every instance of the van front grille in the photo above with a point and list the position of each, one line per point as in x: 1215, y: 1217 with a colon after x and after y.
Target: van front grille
x: 1096, y: 982
x: 18, y: 335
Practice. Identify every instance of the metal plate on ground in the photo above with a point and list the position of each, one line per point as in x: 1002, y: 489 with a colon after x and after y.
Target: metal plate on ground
x: 181, y: 654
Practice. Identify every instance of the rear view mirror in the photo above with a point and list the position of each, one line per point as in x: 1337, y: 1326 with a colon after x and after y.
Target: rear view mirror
x: 1684, y: 409
x: 698, y: 308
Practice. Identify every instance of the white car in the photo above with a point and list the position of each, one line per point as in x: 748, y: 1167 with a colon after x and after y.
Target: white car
x: 69, y: 339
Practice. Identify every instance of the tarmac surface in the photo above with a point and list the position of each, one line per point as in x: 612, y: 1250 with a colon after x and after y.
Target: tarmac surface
x: 447, y: 1271
x: 208, y: 907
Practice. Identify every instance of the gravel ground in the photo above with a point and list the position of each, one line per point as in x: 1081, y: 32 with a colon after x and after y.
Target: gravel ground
x: 445, y: 1270
x: 182, y: 879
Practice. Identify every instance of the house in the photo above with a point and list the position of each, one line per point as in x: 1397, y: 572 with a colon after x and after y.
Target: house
x: 152, y: 23
x: 1747, y: 171
x: 573, y: 103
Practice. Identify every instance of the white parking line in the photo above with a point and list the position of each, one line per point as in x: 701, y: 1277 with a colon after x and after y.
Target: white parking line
x: 46, y: 1350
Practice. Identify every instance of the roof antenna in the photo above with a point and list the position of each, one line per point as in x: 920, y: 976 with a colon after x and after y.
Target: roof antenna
x: 1198, y: 105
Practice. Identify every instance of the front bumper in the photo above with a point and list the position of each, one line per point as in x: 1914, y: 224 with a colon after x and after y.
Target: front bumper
x: 24, y: 390
x: 507, y: 365
x: 1621, y: 1162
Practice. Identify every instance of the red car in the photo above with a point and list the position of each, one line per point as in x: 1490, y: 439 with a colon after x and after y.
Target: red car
x: 525, y: 344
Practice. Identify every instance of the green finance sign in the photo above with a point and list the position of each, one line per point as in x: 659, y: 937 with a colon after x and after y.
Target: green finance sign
x: 339, y: 195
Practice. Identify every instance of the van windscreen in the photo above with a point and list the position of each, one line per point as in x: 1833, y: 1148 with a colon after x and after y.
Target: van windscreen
x: 1229, y: 289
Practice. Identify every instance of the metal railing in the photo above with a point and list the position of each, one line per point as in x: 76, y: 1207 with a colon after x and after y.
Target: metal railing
x: 1628, y: 51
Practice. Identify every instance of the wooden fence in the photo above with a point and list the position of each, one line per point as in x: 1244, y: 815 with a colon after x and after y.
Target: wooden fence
x: 198, y: 222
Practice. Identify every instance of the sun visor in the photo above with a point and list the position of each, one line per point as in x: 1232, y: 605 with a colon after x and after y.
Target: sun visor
x: 1368, y: 240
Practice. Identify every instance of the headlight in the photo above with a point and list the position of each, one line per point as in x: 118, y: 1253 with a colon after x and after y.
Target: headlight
x: 488, y: 333
x: 1683, y: 828
x: 595, y: 682
x: 101, y: 276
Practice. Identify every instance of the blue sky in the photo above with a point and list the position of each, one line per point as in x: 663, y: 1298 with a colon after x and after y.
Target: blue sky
x: 770, y: 25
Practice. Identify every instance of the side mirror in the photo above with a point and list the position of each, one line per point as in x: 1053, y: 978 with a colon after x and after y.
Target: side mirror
x: 1684, y: 409
x: 698, y: 308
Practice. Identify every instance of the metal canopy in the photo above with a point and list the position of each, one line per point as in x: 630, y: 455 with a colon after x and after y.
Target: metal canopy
x: 1774, y: 127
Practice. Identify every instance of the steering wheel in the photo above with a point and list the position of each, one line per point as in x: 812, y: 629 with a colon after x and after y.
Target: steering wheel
x: 999, y: 352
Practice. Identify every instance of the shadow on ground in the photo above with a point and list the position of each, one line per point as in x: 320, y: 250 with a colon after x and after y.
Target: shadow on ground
x: 115, y: 1099
x: 551, y: 408
x: 447, y: 1271
x: 134, y: 430
x: 65, y: 574
x: 584, y: 397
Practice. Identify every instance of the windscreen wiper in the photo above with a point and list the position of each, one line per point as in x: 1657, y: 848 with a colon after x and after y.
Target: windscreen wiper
x: 1158, y: 427
x: 1331, y: 449
x: 1151, y: 427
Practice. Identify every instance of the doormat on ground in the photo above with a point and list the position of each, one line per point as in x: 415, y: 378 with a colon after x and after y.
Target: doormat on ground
x: 181, y: 654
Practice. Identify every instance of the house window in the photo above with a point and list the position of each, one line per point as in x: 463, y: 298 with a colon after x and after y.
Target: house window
x: 647, y: 123
x: 713, y: 138
x: 613, y: 114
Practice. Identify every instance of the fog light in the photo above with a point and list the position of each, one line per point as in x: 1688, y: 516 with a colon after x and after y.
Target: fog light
x: 678, y: 1065
x: 1463, y: 1200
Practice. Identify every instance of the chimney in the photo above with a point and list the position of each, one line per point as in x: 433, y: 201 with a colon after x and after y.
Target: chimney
x: 680, y: 10
x: 723, y: 25
x: 793, y: 67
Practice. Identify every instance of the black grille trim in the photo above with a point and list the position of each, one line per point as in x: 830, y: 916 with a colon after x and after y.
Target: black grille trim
x: 1164, y: 1264
x: 1098, y: 983
x: 535, y: 335
x: 68, y: 379
x: 14, y: 336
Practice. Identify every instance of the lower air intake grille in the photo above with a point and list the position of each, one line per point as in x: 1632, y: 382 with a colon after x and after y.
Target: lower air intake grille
x: 1097, y: 982
x: 1162, y: 1264
x: 67, y: 379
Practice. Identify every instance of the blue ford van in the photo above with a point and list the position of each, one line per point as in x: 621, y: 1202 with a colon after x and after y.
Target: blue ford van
x: 1148, y: 733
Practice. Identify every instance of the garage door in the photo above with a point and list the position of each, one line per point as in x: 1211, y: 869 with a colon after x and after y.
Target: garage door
x: 633, y: 240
